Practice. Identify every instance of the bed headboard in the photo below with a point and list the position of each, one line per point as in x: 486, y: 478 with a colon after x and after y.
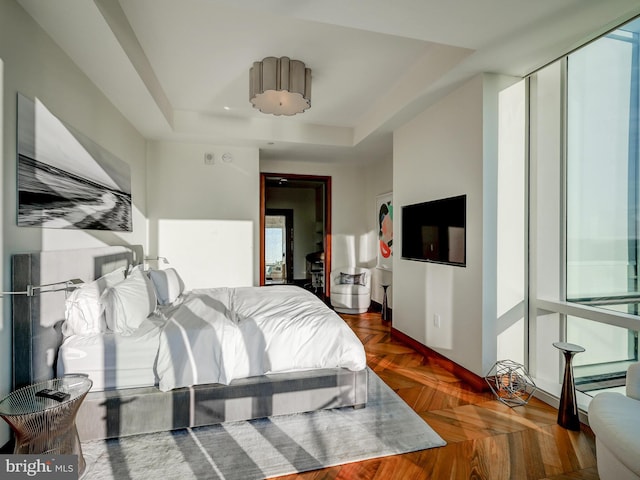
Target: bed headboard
x: 37, y: 319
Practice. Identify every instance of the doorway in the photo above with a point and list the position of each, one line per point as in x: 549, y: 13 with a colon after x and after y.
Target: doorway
x: 308, y: 198
x: 278, y: 246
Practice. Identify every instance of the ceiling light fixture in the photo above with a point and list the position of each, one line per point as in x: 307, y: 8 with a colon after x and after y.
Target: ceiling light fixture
x: 280, y: 86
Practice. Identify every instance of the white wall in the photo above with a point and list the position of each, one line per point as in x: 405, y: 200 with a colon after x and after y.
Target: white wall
x: 34, y: 66
x: 451, y: 149
x: 511, y: 286
x: 181, y: 187
x: 213, y: 209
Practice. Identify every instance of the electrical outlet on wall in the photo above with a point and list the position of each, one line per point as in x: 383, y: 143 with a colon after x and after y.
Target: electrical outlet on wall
x: 436, y: 320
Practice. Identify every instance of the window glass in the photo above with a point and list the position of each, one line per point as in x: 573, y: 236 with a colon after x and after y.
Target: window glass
x: 603, y: 191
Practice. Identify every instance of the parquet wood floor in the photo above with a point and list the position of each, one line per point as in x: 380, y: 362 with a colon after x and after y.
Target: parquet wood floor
x: 485, y: 438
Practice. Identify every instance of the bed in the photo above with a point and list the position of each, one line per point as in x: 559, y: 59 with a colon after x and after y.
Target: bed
x: 158, y: 374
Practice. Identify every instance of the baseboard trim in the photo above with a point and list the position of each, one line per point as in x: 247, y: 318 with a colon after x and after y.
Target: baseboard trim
x: 476, y: 382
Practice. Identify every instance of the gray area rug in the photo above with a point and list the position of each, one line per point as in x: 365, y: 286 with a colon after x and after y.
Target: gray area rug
x: 267, y: 447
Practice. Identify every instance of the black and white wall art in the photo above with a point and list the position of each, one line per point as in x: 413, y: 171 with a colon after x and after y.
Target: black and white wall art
x: 65, y: 180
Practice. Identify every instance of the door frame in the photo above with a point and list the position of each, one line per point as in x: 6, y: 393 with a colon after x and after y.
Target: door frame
x: 326, y: 240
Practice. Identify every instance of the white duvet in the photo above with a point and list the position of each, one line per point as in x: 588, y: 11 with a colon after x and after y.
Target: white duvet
x: 217, y: 335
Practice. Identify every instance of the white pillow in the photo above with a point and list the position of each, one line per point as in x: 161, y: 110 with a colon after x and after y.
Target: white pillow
x: 84, y: 314
x: 168, y: 285
x: 129, y: 303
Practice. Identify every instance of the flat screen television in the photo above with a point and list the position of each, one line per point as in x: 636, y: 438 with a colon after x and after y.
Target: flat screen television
x: 435, y: 231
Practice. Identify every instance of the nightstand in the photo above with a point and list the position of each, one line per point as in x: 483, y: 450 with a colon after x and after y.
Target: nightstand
x: 46, y: 425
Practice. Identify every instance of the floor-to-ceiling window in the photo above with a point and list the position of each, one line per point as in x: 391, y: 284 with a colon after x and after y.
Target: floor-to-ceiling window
x: 603, y: 197
x: 584, y: 219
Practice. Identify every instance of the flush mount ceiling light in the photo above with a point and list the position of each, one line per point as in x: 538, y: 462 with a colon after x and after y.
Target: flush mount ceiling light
x: 280, y: 86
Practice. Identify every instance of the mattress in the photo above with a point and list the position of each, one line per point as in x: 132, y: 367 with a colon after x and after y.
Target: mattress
x: 112, y: 360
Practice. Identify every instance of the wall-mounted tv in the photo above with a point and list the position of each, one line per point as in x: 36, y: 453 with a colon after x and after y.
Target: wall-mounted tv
x: 435, y: 231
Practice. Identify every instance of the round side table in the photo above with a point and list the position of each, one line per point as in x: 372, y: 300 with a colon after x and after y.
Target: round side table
x: 45, y: 425
x: 568, y: 409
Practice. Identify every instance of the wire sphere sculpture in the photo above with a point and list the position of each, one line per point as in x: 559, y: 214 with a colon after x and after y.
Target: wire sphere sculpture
x: 510, y: 382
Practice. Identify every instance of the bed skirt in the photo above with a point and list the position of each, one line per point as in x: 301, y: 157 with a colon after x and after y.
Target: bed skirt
x: 116, y: 413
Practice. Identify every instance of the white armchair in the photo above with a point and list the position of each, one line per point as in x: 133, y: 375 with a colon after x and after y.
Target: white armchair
x: 615, y: 420
x: 350, y: 289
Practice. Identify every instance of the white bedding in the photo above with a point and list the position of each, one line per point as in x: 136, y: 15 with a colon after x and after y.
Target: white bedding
x: 215, y: 336
x: 112, y: 360
x: 220, y: 334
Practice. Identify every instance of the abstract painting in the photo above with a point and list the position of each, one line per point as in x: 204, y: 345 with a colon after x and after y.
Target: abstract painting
x: 384, y: 210
x: 65, y: 180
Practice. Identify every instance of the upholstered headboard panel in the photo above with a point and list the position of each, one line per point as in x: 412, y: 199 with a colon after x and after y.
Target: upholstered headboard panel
x: 37, y: 319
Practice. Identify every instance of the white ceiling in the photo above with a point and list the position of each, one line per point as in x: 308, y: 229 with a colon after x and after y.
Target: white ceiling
x: 172, y: 66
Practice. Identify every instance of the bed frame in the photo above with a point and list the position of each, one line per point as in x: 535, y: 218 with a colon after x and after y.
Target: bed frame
x: 37, y: 336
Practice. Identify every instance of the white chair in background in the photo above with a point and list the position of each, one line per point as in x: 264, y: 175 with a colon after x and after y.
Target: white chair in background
x: 350, y: 289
